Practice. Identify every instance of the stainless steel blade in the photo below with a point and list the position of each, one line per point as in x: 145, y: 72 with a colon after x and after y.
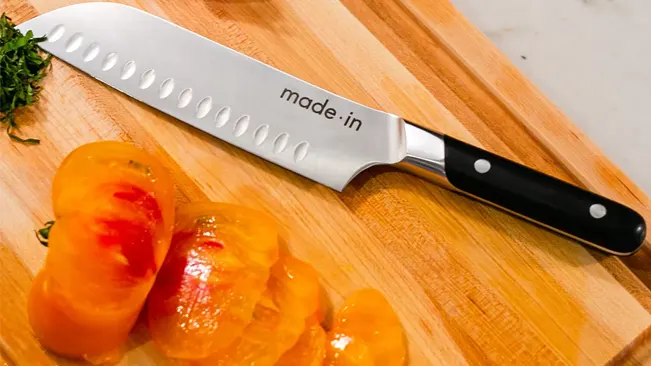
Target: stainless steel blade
x: 231, y: 96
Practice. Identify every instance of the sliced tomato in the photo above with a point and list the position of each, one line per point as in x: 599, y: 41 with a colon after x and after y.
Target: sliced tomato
x: 212, y: 278
x: 309, y: 350
x: 366, y: 331
x: 113, y: 228
x: 279, y: 318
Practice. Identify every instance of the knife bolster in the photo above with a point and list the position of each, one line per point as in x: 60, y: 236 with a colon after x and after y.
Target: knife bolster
x: 425, y: 155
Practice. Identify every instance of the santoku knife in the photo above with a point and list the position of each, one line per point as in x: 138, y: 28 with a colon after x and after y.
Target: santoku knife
x: 306, y: 129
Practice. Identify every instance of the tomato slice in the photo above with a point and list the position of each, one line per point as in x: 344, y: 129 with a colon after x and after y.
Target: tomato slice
x: 309, y: 350
x: 113, y: 228
x: 366, y: 331
x: 279, y: 318
x: 212, y: 278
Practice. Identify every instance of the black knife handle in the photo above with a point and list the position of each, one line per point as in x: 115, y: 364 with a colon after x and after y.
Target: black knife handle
x: 585, y: 216
x: 550, y: 202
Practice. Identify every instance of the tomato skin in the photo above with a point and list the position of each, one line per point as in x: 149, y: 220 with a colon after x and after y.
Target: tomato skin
x: 114, y: 213
x: 279, y: 318
x: 309, y: 350
x: 212, y: 278
x: 366, y: 331
x: 75, y: 335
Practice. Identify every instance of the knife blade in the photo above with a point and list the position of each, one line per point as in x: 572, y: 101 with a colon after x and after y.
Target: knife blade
x: 309, y: 130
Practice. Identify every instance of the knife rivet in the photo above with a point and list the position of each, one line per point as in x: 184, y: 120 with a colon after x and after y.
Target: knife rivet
x: 482, y: 166
x: 598, y: 211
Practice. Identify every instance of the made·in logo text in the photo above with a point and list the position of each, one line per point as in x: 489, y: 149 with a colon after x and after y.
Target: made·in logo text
x: 320, y: 108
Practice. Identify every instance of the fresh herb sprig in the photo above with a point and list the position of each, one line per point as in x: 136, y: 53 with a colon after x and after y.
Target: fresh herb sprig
x: 43, y: 235
x: 22, y: 66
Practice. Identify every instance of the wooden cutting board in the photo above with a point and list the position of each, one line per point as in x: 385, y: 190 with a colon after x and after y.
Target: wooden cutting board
x: 471, y: 284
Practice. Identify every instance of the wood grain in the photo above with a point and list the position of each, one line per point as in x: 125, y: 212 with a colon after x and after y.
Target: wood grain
x: 471, y: 284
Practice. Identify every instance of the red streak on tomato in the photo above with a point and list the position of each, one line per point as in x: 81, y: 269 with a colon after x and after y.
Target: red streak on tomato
x: 181, y: 236
x: 143, y: 199
x: 183, y: 274
x: 170, y: 278
x: 136, y: 244
x: 213, y: 244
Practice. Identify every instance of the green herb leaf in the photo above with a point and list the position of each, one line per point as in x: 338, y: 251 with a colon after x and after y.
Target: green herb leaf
x: 18, y: 139
x: 22, y: 67
x: 24, y: 141
x: 43, y: 235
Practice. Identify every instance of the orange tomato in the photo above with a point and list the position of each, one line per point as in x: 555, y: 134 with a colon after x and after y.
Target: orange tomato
x: 114, y: 212
x: 279, y: 318
x: 309, y: 350
x: 366, y: 331
x: 212, y: 278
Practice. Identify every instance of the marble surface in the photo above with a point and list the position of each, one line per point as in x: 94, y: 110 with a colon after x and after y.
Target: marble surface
x: 592, y: 58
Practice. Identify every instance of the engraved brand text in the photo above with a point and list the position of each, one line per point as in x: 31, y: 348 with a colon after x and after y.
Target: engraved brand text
x: 320, y: 108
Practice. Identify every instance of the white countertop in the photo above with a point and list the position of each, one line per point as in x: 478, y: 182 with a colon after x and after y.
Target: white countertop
x: 592, y: 58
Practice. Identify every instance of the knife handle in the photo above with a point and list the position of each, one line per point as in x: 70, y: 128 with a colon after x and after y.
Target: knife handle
x: 552, y: 203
